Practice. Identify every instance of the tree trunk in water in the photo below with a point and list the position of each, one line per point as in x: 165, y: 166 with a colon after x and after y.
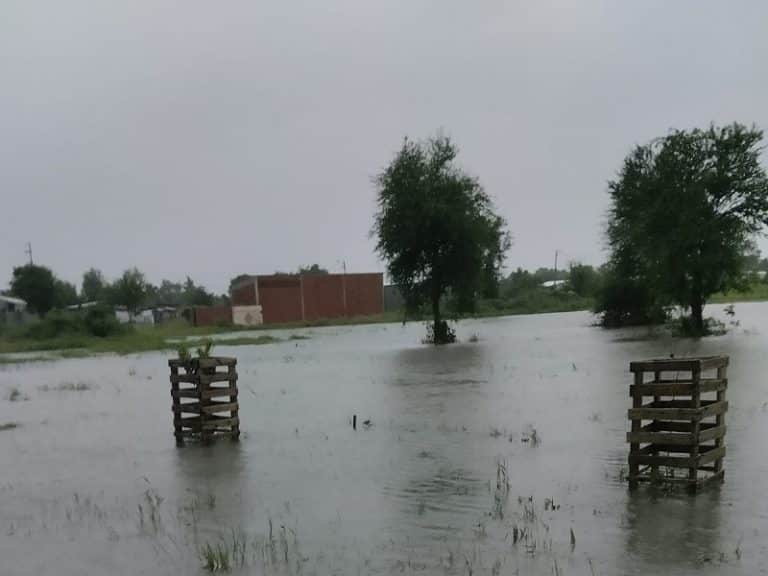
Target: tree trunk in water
x: 436, y: 319
x: 697, y: 314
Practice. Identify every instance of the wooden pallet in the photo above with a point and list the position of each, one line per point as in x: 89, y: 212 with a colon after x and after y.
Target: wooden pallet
x: 678, y: 428
x: 204, y: 398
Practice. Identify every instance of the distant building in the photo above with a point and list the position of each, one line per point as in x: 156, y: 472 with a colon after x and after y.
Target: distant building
x: 13, y: 310
x: 553, y: 283
x: 282, y: 298
x: 83, y: 305
x: 10, y: 304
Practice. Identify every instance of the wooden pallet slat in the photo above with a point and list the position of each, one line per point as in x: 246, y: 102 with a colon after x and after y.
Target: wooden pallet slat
x: 678, y: 432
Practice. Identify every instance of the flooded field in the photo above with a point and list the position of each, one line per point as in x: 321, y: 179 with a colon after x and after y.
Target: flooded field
x: 500, y: 456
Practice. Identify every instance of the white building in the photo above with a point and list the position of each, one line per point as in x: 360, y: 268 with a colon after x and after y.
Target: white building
x: 10, y: 304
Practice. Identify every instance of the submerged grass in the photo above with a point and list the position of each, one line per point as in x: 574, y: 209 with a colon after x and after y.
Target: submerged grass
x: 140, y: 339
x: 9, y: 426
x: 215, y: 557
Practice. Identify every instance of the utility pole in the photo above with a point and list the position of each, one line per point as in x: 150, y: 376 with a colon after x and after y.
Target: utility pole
x: 28, y: 252
x: 555, y: 263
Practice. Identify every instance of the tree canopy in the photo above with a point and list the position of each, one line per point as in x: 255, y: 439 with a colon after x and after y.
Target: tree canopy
x: 93, y: 285
x: 36, y: 285
x: 684, y: 210
x: 437, y: 230
x: 130, y: 290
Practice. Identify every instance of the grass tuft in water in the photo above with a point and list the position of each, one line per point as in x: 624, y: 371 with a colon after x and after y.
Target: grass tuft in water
x: 67, y: 387
x: 9, y: 426
x: 215, y: 557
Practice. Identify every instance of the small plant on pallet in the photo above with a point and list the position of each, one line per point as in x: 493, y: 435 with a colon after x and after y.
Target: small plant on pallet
x: 203, y: 352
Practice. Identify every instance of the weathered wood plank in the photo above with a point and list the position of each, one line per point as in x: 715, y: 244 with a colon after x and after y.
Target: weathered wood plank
x: 715, y: 453
x: 661, y: 438
x: 668, y: 461
x: 677, y: 410
x: 678, y: 364
x: 230, y: 391
x: 712, y: 433
x: 220, y: 407
x: 211, y: 362
x: 677, y: 387
x: 195, y: 378
x: 220, y: 423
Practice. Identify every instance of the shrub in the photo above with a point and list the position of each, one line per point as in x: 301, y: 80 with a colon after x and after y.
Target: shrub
x: 627, y: 302
x: 97, y: 321
x: 101, y: 321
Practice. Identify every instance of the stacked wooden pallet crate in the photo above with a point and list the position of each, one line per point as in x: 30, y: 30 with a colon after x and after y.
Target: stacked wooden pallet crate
x: 682, y: 426
x: 204, y: 392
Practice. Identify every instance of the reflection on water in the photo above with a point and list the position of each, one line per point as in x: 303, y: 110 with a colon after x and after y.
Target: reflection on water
x: 498, y: 456
x: 675, y: 529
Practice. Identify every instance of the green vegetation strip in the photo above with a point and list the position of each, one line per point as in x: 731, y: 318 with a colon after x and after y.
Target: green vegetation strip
x: 139, y: 340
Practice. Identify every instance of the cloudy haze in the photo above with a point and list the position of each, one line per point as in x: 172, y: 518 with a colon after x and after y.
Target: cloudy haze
x: 213, y: 138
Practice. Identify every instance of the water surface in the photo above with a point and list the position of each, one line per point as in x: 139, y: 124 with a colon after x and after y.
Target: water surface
x: 91, y: 481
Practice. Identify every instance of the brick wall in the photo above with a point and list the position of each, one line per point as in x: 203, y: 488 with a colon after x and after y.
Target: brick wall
x: 211, y: 315
x: 314, y: 297
x: 364, y: 294
x: 280, y: 299
x: 244, y: 294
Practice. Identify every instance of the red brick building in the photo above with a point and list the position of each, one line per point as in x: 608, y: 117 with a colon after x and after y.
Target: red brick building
x: 288, y: 298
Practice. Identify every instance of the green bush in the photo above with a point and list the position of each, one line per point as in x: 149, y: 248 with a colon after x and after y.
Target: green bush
x: 98, y: 321
x: 627, y: 302
x: 56, y: 323
x: 101, y: 321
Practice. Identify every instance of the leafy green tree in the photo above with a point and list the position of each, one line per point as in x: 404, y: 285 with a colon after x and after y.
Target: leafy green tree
x: 684, y: 210
x: 436, y: 229
x: 130, y: 290
x: 92, y: 287
x: 36, y: 285
x: 519, y: 282
x: 168, y: 294
x: 314, y: 269
x: 584, y: 280
x: 65, y: 294
x: 195, y: 295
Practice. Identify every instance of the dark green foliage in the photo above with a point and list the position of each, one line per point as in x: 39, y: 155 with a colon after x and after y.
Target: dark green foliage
x: 65, y: 294
x: 96, y: 321
x: 436, y: 229
x: 584, y: 280
x: 36, y: 285
x: 56, y: 323
x: 519, y: 282
x: 683, y: 212
x: 313, y: 270
x: 130, y: 290
x: 93, y: 286
x: 624, y: 300
x: 100, y: 321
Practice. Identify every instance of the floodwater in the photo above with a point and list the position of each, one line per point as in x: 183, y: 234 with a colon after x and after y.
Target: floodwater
x: 91, y: 481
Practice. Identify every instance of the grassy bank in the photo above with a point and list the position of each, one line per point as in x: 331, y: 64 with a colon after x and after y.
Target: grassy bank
x: 144, y: 338
x: 757, y: 292
x: 140, y: 338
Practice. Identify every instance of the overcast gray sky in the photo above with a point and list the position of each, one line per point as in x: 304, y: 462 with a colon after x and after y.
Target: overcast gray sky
x: 213, y: 138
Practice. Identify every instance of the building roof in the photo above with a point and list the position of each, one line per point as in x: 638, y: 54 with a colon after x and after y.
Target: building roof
x: 553, y: 283
x: 12, y: 300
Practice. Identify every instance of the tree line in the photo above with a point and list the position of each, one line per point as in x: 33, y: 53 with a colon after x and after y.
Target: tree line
x: 43, y: 291
x: 684, y: 212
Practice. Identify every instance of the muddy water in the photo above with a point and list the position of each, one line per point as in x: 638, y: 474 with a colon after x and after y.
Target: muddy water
x: 92, y: 483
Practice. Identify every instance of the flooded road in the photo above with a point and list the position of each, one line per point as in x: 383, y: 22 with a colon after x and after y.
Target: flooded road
x: 501, y: 456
